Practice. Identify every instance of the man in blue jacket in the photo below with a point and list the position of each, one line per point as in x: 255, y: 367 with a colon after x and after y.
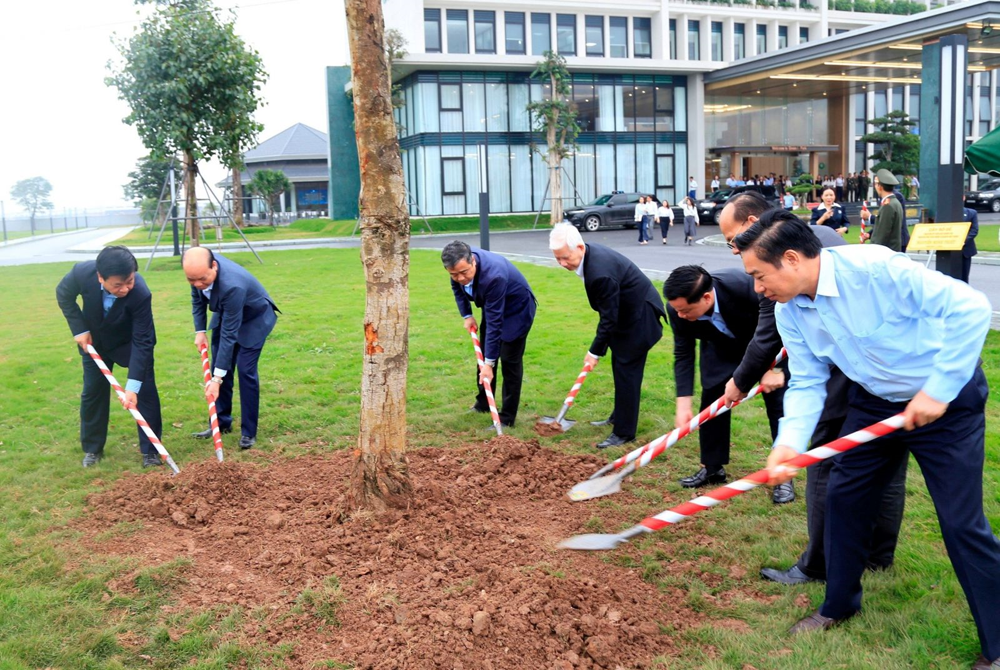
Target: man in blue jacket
x: 243, y: 317
x: 494, y: 284
x: 969, y: 248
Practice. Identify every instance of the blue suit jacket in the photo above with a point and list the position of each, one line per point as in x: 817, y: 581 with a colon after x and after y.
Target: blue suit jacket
x: 243, y: 312
x: 970, y: 250
x: 505, y: 297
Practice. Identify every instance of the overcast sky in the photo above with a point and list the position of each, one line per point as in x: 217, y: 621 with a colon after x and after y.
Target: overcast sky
x: 59, y: 121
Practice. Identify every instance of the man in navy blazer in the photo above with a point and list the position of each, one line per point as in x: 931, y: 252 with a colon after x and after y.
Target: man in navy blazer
x: 117, y: 319
x: 969, y: 248
x: 494, y: 284
x: 630, y: 311
x: 243, y: 316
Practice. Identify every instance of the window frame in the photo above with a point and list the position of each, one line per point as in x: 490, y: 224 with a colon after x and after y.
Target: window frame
x: 740, y: 30
x: 448, y: 19
x: 536, y: 17
x: 595, y: 22
x: 761, y: 32
x: 479, y: 16
x: 694, y: 45
x: 640, y: 24
x: 437, y: 20
x: 441, y: 107
x: 623, y: 23
x: 461, y: 160
x: 507, y: 17
x: 566, y: 21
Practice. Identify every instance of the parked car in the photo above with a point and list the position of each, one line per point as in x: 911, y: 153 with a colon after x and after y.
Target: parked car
x: 987, y: 197
x: 608, y: 211
x: 710, y: 209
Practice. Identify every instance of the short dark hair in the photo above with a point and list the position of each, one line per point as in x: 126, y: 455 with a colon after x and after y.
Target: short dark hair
x: 689, y: 282
x: 776, y: 232
x: 747, y: 204
x: 454, y: 252
x: 116, y: 261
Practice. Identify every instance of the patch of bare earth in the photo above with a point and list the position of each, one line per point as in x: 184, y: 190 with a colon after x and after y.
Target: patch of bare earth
x: 467, y: 577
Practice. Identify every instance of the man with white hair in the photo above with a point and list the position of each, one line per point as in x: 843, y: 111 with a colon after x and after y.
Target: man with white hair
x: 630, y: 310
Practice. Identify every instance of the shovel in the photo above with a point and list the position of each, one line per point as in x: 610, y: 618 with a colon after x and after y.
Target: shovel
x: 602, y: 541
x: 560, y: 418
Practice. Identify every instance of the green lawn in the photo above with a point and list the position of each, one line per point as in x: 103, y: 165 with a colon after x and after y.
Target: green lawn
x: 308, y: 228
x: 57, y: 612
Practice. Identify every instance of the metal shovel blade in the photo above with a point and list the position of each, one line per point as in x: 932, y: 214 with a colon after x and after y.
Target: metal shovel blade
x: 564, y: 424
x: 593, y: 542
x: 596, y: 488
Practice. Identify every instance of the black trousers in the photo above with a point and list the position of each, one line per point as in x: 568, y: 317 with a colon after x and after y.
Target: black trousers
x: 664, y: 227
x: 627, y: 367
x: 511, y: 365
x: 714, y: 435
x: 885, y: 535
x: 966, y: 268
x: 95, y: 403
x: 245, y: 366
x: 950, y: 453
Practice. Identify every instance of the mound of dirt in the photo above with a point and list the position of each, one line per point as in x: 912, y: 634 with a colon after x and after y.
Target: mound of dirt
x: 467, y: 577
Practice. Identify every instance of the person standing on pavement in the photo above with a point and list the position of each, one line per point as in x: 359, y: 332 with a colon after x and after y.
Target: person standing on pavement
x: 630, y: 311
x: 651, y: 210
x: 492, y: 283
x: 969, y: 248
x: 243, y: 315
x: 891, y: 214
x: 715, y: 184
x: 690, y: 220
x: 117, y: 320
x: 692, y: 188
x: 640, y: 219
x: 910, y: 340
x: 665, y: 217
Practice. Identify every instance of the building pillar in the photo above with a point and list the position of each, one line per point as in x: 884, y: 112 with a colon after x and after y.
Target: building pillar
x: 706, y: 38
x: 728, y: 40
x: 735, y: 166
x: 682, y: 36
x: 772, y: 35
x: 750, y: 39
x: 696, y: 129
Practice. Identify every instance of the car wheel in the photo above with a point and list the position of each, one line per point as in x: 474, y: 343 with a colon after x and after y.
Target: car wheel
x: 592, y: 223
x: 716, y: 216
x: 995, y: 206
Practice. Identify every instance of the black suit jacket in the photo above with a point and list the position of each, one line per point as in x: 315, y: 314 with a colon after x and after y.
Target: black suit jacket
x: 126, y: 335
x: 969, y: 248
x: 720, y: 354
x: 626, y: 300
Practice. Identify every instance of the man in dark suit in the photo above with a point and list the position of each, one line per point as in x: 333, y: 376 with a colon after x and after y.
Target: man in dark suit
x: 117, y: 319
x: 719, y: 309
x: 630, y: 311
x: 969, y: 248
x: 494, y: 284
x: 243, y: 317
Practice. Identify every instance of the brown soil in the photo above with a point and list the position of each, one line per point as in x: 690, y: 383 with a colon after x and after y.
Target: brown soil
x: 468, y: 577
x: 548, y: 429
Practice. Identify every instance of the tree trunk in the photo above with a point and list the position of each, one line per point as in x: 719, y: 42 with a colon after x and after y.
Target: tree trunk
x: 237, y: 197
x: 191, y: 206
x: 555, y: 168
x: 380, y: 477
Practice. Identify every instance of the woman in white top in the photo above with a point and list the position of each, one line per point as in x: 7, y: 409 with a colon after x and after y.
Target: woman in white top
x: 640, y: 219
x: 650, y: 216
x: 690, y: 221
x: 665, y: 217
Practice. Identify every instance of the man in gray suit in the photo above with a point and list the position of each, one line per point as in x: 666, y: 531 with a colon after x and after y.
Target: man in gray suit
x: 243, y: 317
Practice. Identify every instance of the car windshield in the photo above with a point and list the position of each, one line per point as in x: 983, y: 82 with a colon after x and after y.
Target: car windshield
x: 992, y: 185
x: 601, y: 200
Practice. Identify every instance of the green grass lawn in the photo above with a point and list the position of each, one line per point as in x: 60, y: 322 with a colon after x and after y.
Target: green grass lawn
x: 310, y: 228
x: 56, y: 610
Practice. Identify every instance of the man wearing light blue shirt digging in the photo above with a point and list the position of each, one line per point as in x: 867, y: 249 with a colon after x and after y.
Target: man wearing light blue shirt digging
x: 909, y: 340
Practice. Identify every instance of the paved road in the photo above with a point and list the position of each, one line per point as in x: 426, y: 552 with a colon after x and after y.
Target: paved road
x: 53, y: 248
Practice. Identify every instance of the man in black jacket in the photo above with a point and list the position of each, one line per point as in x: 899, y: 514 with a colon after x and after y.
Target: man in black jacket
x: 630, y: 311
x: 719, y: 309
x: 117, y: 319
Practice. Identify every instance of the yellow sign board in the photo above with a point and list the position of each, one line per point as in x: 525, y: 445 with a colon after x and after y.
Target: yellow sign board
x: 938, y: 236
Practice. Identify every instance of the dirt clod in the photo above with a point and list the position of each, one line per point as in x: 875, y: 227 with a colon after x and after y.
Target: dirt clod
x: 548, y: 429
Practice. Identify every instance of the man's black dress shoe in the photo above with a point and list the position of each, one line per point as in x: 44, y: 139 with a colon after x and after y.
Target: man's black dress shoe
x: 982, y: 663
x: 90, y: 459
x: 703, y: 477
x: 606, y: 422
x: 793, y: 576
x: 247, y: 442
x: 613, y: 441
x: 151, y: 460
x: 783, y: 493
x: 814, y: 621
x: 207, y: 434
x: 479, y: 410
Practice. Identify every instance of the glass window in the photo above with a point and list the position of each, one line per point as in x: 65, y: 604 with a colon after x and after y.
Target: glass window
x: 432, y: 30
x: 897, y: 98
x: 485, y: 27
x: 803, y: 35
x: 915, y: 106
x: 859, y: 115
x: 984, y: 103
x: 451, y: 98
x: 474, y: 106
x: 644, y: 108
x: 642, y: 45
x: 761, y: 39
x: 673, y: 39
x: 739, y: 41
x: 694, y: 40
x: 968, y: 105
x: 595, y: 35
x: 664, y: 108
x: 458, y: 31
x: 618, y: 26
x: 881, y: 104
x: 782, y: 37
x: 566, y: 34
x: 514, y: 32
x: 717, y: 40
x: 541, y: 34
x: 453, y: 176
x: 587, y: 107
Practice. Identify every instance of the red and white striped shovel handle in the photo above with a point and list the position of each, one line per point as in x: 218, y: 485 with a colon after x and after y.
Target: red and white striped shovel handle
x: 213, y: 416
x: 143, y: 425
x: 571, y: 398
x: 489, y: 393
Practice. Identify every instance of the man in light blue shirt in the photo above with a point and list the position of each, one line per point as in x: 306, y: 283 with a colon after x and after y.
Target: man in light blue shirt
x: 909, y: 339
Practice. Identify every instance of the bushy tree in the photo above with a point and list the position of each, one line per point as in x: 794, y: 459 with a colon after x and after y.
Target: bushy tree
x: 896, y: 148
x: 32, y: 195
x: 802, y: 186
x: 268, y: 185
x: 145, y: 184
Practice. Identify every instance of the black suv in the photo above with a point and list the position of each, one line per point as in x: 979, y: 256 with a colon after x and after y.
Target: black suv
x: 607, y: 211
x: 987, y: 197
x: 710, y: 209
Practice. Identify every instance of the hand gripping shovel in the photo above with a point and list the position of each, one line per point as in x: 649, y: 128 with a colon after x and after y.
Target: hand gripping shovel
x: 135, y: 413
x: 560, y: 419
x: 489, y: 392
x: 601, y: 541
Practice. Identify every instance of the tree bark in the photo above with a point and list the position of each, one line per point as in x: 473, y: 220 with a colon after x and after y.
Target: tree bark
x: 191, y: 206
x: 237, y: 197
x: 380, y: 476
x: 555, y: 166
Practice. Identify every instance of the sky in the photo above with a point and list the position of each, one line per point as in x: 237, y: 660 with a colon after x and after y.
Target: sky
x: 58, y: 119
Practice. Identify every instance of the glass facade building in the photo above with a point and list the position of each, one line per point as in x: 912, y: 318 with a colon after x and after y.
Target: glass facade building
x: 634, y: 138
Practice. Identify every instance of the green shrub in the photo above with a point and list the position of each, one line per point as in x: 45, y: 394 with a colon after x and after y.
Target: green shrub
x: 882, y: 6
x: 863, y: 5
x: 843, y: 5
